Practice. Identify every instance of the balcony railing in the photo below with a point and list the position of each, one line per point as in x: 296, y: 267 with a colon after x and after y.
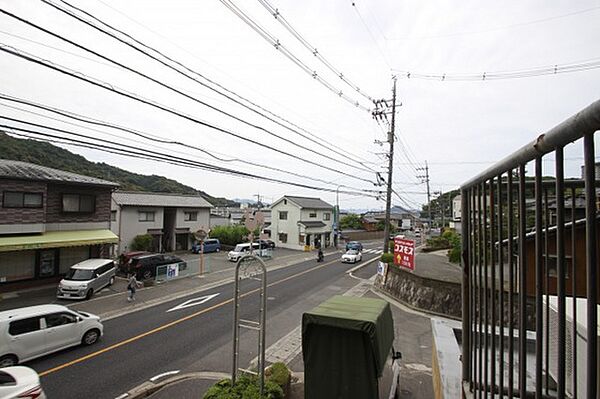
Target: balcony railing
x: 530, y: 269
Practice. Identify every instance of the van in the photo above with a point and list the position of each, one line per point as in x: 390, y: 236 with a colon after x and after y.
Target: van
x: 243, y: 249
x: 85, y: 278
x: 35, y: 331
x: 210, y: 245
x: 145, y: 266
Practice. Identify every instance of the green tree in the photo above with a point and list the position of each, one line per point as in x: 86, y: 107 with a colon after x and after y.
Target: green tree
x: 142, y: 242
x: 230, y: 235
x: 351, y: 221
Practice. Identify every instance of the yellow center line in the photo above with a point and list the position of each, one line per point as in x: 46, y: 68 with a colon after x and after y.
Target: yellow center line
x: 173, y: 323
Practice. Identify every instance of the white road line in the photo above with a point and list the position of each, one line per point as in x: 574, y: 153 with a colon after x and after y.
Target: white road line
x: 162, y: 375
x: 193, y: 302
x: 122, y: 396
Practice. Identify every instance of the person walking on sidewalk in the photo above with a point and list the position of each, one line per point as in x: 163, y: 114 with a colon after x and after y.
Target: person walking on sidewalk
x: 132, y: 286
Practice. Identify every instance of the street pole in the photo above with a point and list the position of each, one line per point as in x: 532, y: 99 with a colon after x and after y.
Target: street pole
x: 426, y: 179
x: 388, y: 201
x: 336, y: 217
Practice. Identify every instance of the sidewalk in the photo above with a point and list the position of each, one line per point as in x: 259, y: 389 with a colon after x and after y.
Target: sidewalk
x: 109, y: 302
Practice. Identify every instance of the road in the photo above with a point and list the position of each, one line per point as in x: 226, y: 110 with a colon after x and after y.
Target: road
x: 143, y: 344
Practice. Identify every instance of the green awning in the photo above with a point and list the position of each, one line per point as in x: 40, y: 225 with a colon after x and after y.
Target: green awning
x: 57, y: 239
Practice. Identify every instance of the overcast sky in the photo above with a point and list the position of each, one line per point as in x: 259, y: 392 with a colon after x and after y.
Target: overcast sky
x: 460, y: 128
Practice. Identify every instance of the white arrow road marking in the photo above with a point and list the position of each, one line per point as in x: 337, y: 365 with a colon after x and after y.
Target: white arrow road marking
x: 193, y: 302
x: 165, y: 374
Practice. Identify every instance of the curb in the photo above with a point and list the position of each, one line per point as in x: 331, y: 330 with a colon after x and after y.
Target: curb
x: 149, y: 387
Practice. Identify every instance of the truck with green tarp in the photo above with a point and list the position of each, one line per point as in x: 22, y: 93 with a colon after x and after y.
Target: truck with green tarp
x: 347, y: 350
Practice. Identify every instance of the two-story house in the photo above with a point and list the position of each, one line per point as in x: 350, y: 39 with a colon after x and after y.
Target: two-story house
x: 49, y: 220
x: 171, y: 219
x: 299, y: 222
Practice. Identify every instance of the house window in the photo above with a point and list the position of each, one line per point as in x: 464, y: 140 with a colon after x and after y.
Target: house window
x: 327, y: 216
x: 113, y: 216
x: 78, y: 203
x: 190, y: 216
x: 14, y: 199
x: 284, y: 202
x: 282, y: 215
x: 146, y: 216
x: 312, y: 215
x: 283, y: 237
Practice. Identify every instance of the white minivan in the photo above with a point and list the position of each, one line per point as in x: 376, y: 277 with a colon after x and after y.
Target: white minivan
x: 34, y: 331
x: 241, y: 250
x: 85, y: 278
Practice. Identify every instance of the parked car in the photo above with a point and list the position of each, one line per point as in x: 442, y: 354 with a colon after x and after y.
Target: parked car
x: 267, y: 243
x: 85, y: 278
x: 417, y: 234
x: 351, y: 256
x: 354, y: 245
x: 125, y: 257
x: 144, y: 266
x: 20, y: 382
x: 242, y: 249
x: 210, y: 245
x: 34, y: 331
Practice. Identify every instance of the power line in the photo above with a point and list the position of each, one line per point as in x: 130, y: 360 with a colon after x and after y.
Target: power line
x: 113, y: 89
x: 146, y: 136
x: 162, y: 84
x: 211, y: 81
x: 577, y: 66
x: 278, y: 46
x: 329, y: 146
x: 126, y: 149
x: 371, y: 34
x: 537, y: 21
x: 283, y: 21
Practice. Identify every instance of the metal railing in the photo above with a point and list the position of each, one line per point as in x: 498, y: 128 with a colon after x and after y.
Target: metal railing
x: 530, y: 270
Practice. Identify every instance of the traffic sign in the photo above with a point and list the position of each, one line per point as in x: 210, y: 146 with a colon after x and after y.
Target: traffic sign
x: 404, y: 253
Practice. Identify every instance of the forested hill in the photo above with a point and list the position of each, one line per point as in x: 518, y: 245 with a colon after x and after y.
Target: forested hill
x: 49, y: 155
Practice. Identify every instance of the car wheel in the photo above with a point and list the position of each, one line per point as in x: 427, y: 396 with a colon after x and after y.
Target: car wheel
x: 111, y: 281
x: 218, y: 250
x: 147, y: 275
x: 90, y: 337
x: 89, y: 293
x: 8, y: 361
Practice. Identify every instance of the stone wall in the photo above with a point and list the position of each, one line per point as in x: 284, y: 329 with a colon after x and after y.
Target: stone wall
x: 433, y: 296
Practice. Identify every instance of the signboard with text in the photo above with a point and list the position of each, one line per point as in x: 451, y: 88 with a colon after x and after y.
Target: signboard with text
x: 404, y: 253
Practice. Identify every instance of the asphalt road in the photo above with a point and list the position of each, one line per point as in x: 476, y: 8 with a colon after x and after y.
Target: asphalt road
x: 143, y: 344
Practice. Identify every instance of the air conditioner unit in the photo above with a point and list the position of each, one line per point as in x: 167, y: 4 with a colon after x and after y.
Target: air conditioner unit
x: 580, y: 339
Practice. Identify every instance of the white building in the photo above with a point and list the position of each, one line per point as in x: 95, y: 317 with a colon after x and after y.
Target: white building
x: 297, y: 222
x: 168, y: 218
x: 456, y: 213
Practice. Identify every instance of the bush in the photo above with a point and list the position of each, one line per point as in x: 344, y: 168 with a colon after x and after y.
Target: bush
x: 229, y: 235
x: 387, y: 258
x: 351, y: 221
x: 142, y: 242
x: 279, y: 374
x: 246, y: 387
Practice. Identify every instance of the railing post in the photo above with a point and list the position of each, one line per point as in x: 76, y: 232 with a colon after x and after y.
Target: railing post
x: 466, y: 284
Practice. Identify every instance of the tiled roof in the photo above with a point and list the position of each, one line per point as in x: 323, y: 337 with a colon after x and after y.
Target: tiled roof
x: 309, y: 202
x: 28, y: 171
x: 159, y: 199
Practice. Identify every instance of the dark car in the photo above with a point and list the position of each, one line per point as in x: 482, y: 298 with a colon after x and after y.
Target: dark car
x: 210, y: 245
x: 354, y: 245
x: 145, y: 266
x: 266, y: 243
x: 125, y: 257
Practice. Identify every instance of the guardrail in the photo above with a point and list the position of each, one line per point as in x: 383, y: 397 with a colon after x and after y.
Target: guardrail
x: 530, y: 270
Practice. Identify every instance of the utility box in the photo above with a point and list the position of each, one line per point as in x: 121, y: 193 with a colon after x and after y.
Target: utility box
x: 346, y: 345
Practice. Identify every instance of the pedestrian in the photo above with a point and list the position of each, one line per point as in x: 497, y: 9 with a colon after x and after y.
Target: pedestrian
x: 132, y: 286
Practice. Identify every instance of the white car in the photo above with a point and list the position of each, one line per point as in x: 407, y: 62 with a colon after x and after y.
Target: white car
x: 20, y: 382
x: 35, y: 331
x: 351, y: 256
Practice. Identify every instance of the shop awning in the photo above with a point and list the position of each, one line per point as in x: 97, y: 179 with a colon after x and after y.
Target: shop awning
x: 57, y: 239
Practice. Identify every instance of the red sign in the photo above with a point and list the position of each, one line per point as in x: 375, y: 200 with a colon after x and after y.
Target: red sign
x: 404, y: 253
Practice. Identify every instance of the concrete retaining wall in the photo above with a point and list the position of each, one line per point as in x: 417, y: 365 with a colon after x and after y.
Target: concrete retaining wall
x: 429, y: 295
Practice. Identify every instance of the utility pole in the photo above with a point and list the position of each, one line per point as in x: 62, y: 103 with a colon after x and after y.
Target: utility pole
x: 425, y: 178
x: 378, y: 113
